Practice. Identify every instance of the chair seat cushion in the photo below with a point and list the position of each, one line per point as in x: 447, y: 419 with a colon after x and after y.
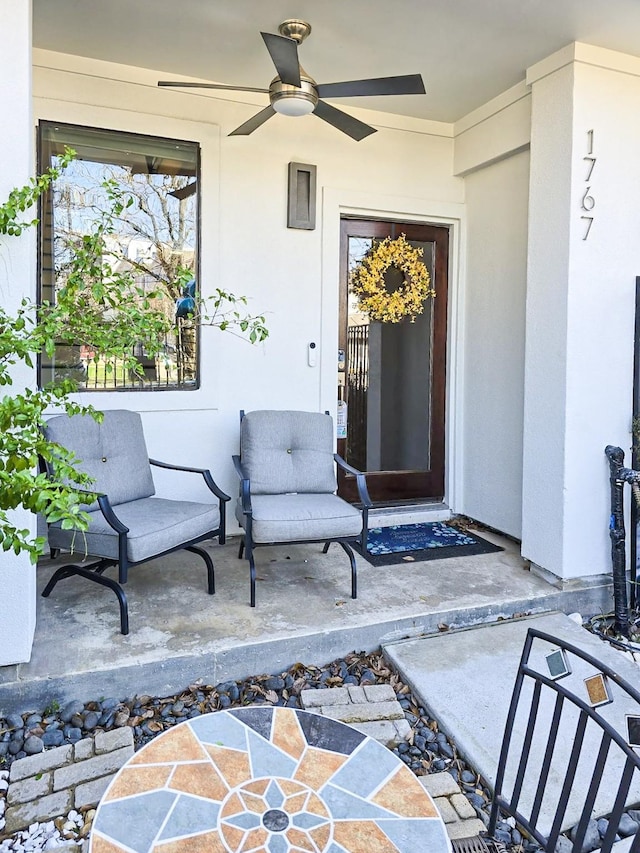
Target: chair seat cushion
x: 294, y: 518
x: 155, y: 525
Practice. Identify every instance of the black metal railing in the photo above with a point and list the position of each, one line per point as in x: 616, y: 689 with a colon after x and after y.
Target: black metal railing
x: 175, y: 366
x: 619, y: 475
x: 609, y: 765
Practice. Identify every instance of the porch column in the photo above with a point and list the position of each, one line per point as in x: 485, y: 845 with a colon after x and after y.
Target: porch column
x: 17, y: 279
x: 583, y: 257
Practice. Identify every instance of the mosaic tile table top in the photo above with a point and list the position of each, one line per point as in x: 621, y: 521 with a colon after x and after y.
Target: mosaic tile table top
x: 267, y: 779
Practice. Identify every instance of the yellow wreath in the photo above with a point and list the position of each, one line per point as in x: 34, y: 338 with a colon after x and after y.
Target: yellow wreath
x: 367, y: 281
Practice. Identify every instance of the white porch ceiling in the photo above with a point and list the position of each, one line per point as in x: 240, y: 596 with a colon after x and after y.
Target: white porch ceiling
x: 468, y: 51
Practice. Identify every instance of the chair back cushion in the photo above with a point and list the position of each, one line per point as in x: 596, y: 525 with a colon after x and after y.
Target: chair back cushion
x: 114, y: 453
x: 287, y: 452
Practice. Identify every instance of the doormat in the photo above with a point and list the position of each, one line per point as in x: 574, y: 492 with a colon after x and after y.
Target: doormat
x: 409, y: 543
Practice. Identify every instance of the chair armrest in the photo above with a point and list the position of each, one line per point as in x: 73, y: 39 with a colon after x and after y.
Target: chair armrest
x: 206, y: 474
x: 245, y: 485
x: 361, y: 481
x: 109, y: 515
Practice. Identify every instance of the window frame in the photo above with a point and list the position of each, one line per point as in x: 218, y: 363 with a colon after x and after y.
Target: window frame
x: 41, y: 146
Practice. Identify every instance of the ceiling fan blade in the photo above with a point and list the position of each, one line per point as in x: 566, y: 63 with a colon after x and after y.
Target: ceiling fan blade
x: 254, y: 122
x: 407, y: 84
x: 184, y: 192
x: 343, y: 121
x: 211, y: 86
x: 284, y: 53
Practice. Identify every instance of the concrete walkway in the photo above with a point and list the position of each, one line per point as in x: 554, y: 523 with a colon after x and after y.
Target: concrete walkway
x: 465, y: 679
x: 304, y: 613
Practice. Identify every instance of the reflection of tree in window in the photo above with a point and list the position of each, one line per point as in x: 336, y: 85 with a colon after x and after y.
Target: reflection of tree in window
x: 155, y: 241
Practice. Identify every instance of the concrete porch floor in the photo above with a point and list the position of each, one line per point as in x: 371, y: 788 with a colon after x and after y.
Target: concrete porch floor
x: 304, y: 613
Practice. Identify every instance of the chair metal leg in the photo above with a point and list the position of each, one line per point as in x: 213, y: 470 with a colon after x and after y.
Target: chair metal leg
x: 93, y: 575
x: 252, y: 575
x: 326, y: 547
x: 364, y: 536
x: 354, y: 576
x: 241, y: 548
x: 59, y: 575
x: 54, y: 552
x: 211, y: 582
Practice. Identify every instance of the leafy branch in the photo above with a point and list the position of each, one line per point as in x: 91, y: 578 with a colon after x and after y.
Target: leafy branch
x: 21, y: 199
x: 99, y: 304
x: 22, y: 445
x: 223, y: 310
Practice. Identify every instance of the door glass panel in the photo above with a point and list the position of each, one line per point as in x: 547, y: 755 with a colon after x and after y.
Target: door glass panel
x: 388, y: 379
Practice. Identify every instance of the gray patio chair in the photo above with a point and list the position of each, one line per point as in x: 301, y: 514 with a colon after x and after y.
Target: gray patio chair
x: 288, y: 483
x: 569, y: 750
x: 128, y: 525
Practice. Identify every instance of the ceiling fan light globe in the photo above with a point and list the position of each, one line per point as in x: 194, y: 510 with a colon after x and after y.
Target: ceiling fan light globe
x: 294, y: 100
x: 294, y: 106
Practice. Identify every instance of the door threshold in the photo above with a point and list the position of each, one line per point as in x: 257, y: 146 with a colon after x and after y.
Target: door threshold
x: 409, y: 513
x: 409, y: 502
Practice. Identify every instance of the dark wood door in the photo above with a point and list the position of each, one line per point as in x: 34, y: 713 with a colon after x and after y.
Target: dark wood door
x: 392, y: 375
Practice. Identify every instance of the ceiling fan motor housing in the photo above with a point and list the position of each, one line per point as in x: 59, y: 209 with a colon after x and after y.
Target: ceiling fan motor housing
x: 291, y: 100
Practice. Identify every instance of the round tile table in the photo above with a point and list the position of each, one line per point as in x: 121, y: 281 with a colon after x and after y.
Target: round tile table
x: 267, y: 779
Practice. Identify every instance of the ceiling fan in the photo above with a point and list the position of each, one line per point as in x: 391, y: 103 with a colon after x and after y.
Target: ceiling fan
x: 293, y: 92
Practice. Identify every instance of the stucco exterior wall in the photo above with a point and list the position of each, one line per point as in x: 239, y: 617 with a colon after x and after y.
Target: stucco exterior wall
x: 246, y: 246
x: 495, y: 130
x: 580, y: 302
x: 17, y: 279
x: 549, y: 248
x: 493, y: 341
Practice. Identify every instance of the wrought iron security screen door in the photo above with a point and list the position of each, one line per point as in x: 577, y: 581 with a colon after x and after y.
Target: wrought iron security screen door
x: 392, y: 375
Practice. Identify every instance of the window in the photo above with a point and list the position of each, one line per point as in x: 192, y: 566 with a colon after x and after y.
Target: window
x: 156, y: 240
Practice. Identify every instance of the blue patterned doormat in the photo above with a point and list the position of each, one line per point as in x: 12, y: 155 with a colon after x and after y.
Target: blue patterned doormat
x: 408, y: 543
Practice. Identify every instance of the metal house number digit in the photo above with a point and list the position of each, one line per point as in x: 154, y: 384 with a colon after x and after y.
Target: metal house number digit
x: 588, y: 202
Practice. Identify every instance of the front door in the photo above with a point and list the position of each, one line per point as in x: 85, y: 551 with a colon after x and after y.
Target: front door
x: 392, y: 375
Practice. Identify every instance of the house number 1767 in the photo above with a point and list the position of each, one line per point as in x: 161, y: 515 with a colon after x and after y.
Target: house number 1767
x: 588, y: 202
